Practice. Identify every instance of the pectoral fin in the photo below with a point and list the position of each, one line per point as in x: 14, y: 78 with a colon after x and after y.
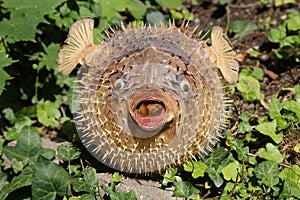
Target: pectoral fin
x: 78, y: 46
x: 222, y: 54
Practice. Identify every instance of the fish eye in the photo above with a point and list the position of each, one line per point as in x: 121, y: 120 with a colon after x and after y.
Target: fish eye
x: 119, y: 84
x: 185, y: 85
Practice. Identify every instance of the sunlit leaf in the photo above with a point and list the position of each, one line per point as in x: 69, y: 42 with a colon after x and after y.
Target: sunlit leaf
x: 269, y: 128
x: 271, y: 153
x: 231, y: 171
x: 25, y: 16
x: 170, y: 3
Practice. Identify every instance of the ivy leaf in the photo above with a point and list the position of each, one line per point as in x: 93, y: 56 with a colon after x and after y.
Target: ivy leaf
x: 293, y: 23
x: 231, y: 171
x: 155, y: 18
x: 199, y: 169
x: 169, y: 176
x: 49, y: 58
x: 250, y: 88
x: 184, y: 189
x: 25, y: 16
x: 275, y: 108
x: 4, y: 76
x: 242, y: 28
x: 215, y: 176
x: 238, y: 146
x: 271, y: 153
x: 269, y: 129
x: 68, y: 153
x: 122, y: 196
x: 48, y: 180
x: 27, y: 148
x: 22, y: 180
x: 293, y: 106
x: 171, y: 4
x: 188, y: 166
x: 86, y: 184
x: 268, y: 173
x: 137, y: 8
x: 111, y: 8
x: 291, y: 175
x: 48, y: 113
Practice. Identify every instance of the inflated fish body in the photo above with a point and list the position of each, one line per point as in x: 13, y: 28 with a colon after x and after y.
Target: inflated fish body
x: 148, y: 98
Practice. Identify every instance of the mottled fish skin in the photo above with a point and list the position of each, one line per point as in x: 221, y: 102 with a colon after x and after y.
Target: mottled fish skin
x: 167, y: 66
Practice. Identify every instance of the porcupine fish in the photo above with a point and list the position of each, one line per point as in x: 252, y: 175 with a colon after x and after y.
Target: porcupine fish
x: 149, y: 97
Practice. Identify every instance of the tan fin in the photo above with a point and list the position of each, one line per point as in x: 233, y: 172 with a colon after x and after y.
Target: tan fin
x: 222, y: 54
x: 78, y: 45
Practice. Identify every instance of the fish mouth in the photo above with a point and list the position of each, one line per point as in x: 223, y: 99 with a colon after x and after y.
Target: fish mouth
x: 152, y: 108
x: 150, y: 114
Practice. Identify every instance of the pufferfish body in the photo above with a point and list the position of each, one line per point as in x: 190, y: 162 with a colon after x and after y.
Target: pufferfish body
x: 148, y: 98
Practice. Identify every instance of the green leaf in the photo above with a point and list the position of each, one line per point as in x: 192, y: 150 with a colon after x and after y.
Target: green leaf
x: 238, y: 146
x: 242, y: 28
x: 137, y: 8
x: 48, y: 113
x: 289, y: 191
x: 9, y: 115
x: 275, y: 108
x: 171, y: 4
x: 268, y: 173
x: 283, y: 2
x: 269, y: 129
x: 199, y: 169
x: 293, y: 23
x: 271, y: 153
x: 68, y: 153
x: 22, y: 180
x: 230, y: 172
x: 250, y: 88
x: 17, y: 165
x: 5, y: 61
x: 276, y: 35
x: 155, y: 18
x: 3, y: 179
x: 111, y: 8
x: 49, y: 180
x: 27, y: 148
x: 258, y: 73
x: 122, y: 196
x: 49, y: 58
x: 293, y: 106
x: 86, y: 184
x: 184, y: 189
x: 291, y: 175
x: 25, y: 16
x: 116, y: 178
x: 1, y: 144
x: 169, y: 176
x: 188, y: 166
x: 215, y: 176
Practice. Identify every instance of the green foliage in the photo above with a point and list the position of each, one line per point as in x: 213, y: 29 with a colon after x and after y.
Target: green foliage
x: 288, y: 37
x: 242, y: 28
x: 250, y: 161
x: 249, y: 86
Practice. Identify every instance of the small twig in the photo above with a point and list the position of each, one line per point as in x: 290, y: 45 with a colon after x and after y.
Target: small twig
x: 250, y: 5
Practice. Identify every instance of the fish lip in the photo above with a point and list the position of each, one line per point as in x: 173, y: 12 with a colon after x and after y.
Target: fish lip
x: 150, y: 123
x: 156, y: 96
